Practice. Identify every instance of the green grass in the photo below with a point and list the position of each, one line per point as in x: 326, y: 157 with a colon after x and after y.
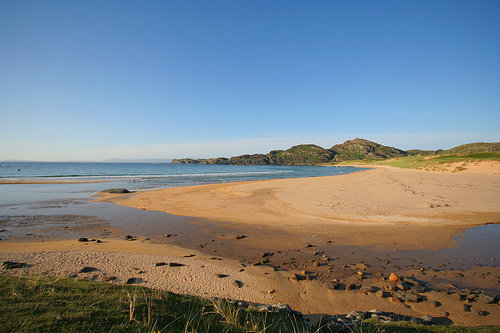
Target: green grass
x: 29, y: 304
x: 428, y: 162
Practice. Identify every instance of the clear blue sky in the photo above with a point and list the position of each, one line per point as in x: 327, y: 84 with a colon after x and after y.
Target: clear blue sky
x: 93, y: 80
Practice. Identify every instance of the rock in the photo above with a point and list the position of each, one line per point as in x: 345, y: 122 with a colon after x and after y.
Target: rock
x: 266, y: 254
x: 13, y: 265
x: 389, y: 287
x: 308, y: 245
x: 169, y: 235
x: 482, y: 313
x: 382, y: 294
x: 403, y: 285
x: 368, y: 289
x: 116, y: 190
x: 240, y: 236
x: 411, y: 280
x: 175, y: 264
x: 220, y: 276
x: 189, y: 255
x: 129, y: 238
x: 88, y: 269
x: 298, y: 277
x: 158, y: 264
x: 135, y: 280
x: 393, y: 277
x: 334, y: 285
x: 394, y: 300
x: 435, y: 304
x: 83, y: 239
x: 316, y: 264
x: 418, y: 289
x: 467, y: 307
x: 350, y: 286
x: 486, y: 298
x: 407, y: 296
x: 426, y: 318
x: 238, y: 283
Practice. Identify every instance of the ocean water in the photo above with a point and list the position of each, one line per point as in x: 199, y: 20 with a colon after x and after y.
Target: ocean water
x: 134, y: 176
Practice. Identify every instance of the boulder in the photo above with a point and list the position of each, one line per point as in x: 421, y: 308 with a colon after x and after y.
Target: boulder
x: 116, y: 190
x: 13, y: 265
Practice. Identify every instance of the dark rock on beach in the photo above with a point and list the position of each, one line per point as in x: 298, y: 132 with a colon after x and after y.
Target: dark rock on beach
x: 13, y: 265
x: 116, y: 190
x: 87, y: 269
x: 135, y: 280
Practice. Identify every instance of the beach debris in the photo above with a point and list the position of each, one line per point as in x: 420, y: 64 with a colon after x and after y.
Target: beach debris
x: 482, y: 313
x: 271, y: 291
x: 3, y: 230
x: 83, y: 239
x: 238, y: 283
x: 175, y: 264
x: 88, y: 269
x: 309, y: 245
x: 116, y: 190
x: 189, y: 255
x: 129, y: 238
x: 221, y: 276
x: 215, y: 258
x: 169, y: 235
x: 135, y: 280
x: 13, y: 265
x: 240, y: 236
x: 158, y: 264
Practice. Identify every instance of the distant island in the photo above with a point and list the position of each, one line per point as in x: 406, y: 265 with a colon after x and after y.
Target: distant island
x: 351, y: 150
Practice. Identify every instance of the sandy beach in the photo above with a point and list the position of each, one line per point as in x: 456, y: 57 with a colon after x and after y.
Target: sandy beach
x: 371, y: 204
x: 332, y: 231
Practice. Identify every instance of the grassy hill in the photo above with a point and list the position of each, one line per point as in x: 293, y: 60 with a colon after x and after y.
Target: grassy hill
x: 356, y: 150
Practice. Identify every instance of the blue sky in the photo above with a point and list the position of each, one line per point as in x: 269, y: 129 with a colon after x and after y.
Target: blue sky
x: 93, y: 80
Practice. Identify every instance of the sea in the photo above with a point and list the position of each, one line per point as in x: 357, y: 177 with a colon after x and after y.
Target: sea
x: 135, y: 176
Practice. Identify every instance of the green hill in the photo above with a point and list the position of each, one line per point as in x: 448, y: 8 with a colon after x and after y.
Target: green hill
x: 351, y: 150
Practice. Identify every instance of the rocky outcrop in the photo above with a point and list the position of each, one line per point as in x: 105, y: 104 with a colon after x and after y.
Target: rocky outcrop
x: 361, y: 149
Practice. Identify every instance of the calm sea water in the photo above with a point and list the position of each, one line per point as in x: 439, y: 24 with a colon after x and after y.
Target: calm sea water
x: 135, y: 176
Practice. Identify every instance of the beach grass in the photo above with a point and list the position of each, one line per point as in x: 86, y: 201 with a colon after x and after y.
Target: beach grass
x: 30, y: 304
x: 428, y: 162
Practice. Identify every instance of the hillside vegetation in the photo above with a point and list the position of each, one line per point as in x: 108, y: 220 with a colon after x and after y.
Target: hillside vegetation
x: 350, y: 150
